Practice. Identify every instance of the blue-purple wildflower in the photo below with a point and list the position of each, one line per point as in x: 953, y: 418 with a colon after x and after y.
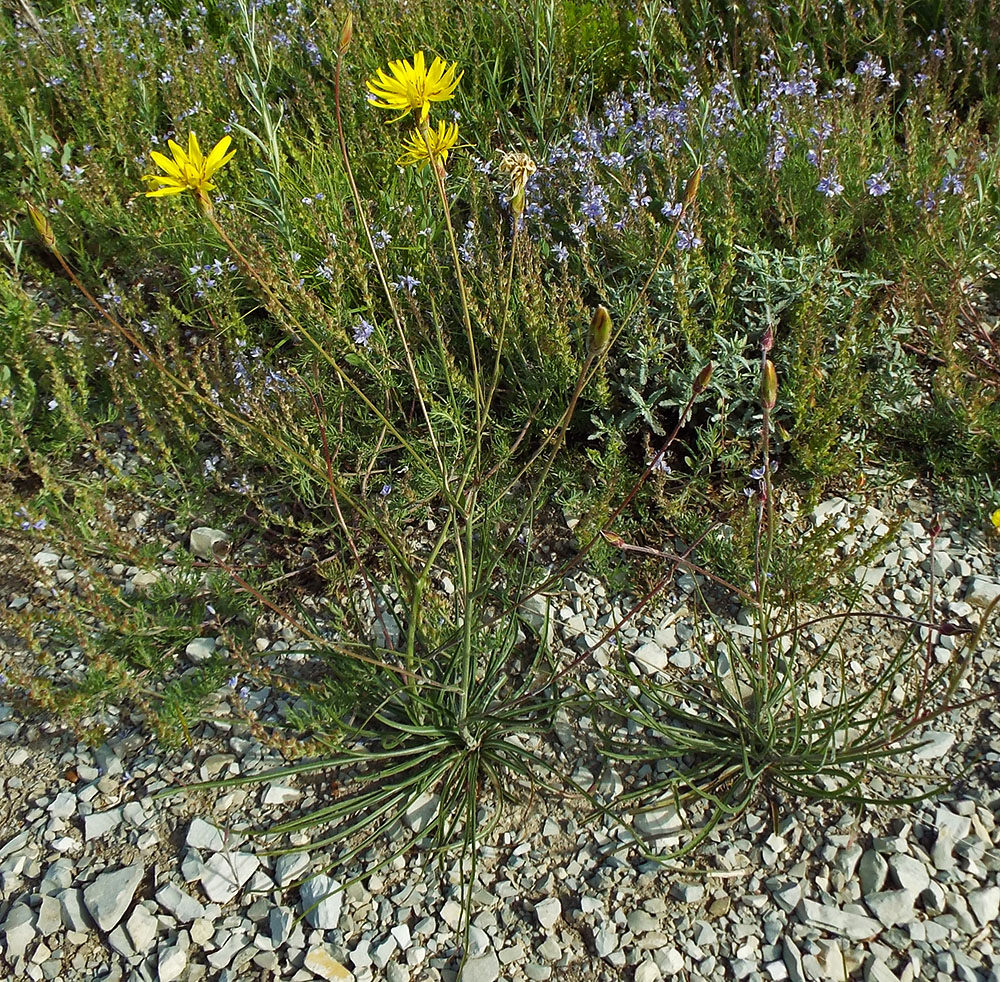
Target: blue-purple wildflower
x: 406, y: 282
x: 686, y: 237
x: 830, y: 186
x: 658, y: 464
x: 877, y: 184
x: 363, y: 332
x: 28, y: 524
x: 757, y: 473
x: 870, y: 67
x: 593, y: 205
x: 952, y: 183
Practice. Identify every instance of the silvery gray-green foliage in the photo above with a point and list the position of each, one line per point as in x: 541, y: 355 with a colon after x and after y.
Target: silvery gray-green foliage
x: 838, y: 349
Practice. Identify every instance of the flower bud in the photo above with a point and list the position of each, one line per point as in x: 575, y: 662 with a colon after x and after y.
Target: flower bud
x: 768, y: 385
x: 517, y: 203
x: 600, y: 331
x: 692, y: 187
x: 702, y: 379
x: 205, y: 205
x: 767, y: 341
x: 43, y: 226
x: 616, y: 540
x: 346, y: 34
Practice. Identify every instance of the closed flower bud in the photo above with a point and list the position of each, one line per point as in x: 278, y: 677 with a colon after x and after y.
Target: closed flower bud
x: 702, y: 379
x: 346, y: 34
x: 692, y: 187
x: 769, y: 385
x: 205, y: 205
x: 600, y: 331
x: 43, y: 226
x: 517, y: 203
x: 616, y: 540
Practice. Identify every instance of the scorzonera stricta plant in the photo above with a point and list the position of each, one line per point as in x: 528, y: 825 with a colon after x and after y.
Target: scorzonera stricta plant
x: 457, y: 690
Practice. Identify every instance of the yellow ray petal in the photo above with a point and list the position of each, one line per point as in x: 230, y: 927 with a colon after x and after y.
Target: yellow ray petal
x: 162, y: 192
x: 194, y: 151
x: 401, y: 72
x: 215, y: 159
x: 166, y: 164
x: 165, y: 181
x: 179, y: 155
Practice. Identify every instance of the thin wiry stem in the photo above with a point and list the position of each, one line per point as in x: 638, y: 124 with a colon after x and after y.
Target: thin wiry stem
x: 464, y: 549
x: 495, y: 380
x: 438, y: 168
x: 689, y: 195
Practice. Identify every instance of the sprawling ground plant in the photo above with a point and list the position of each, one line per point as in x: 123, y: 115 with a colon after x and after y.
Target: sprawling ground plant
x: 792, y: 710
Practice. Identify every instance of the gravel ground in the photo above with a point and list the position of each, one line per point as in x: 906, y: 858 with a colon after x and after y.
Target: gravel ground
x: 100, y: 881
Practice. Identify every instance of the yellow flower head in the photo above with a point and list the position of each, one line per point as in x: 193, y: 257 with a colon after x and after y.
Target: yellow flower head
x: 995, y: 519
x: 412, y: 87
x: 187, y: 171
x: 417, y: 150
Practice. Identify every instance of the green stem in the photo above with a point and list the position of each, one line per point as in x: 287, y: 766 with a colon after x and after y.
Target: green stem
x: 495, y: 380
x: 469, y: 591
x: 763, y: 563
x: 472, y: 463
x: 438, y: 168
x: 419, y: 585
